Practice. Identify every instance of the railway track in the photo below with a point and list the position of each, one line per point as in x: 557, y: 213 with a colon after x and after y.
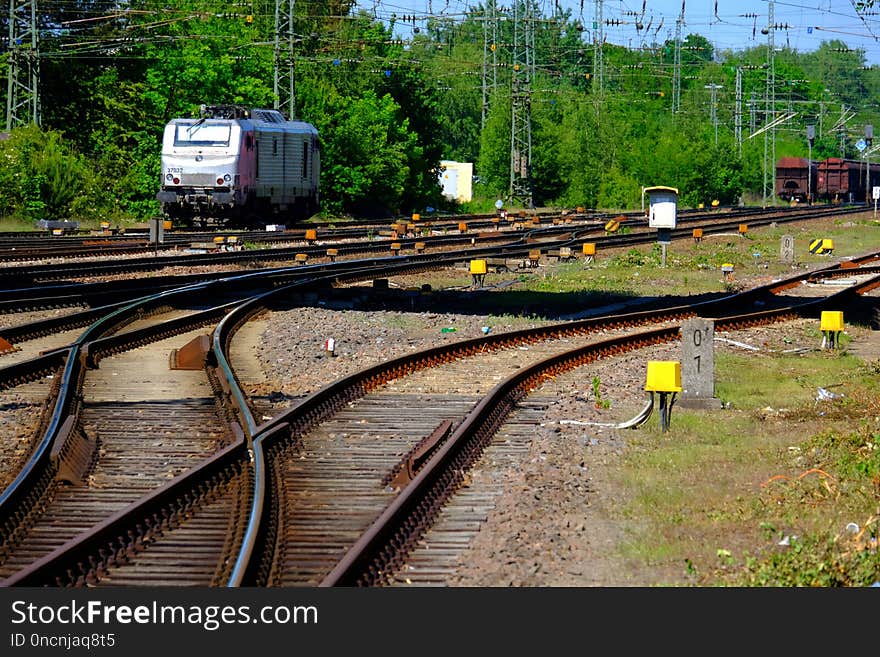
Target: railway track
x: 269, y: 451
x: 494, y: 242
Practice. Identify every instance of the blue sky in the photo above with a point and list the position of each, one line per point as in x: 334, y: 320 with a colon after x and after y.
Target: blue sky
x: 805, y: 23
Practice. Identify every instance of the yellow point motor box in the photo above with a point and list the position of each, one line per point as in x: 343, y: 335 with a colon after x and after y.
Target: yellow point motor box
x: 832, y: 320
x: 478, y: 266
x: 663, y: 376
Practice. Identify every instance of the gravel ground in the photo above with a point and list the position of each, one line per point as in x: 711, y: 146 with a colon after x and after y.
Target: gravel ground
x: 552, y: 527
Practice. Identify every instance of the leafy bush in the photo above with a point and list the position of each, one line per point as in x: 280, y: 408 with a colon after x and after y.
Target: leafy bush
x: 41, y: 177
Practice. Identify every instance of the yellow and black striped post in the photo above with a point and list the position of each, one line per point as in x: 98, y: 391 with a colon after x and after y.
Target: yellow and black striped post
x: 822, y: 246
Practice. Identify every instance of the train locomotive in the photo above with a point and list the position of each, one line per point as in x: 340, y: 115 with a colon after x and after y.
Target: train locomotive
x: 238, y: 166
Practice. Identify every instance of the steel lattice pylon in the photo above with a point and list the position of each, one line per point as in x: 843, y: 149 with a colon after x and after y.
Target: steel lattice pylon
x: 23, y: 70
x: 285, y: 97
x: 521, y: 107
x: 676, y: 68
x: 770, y: 98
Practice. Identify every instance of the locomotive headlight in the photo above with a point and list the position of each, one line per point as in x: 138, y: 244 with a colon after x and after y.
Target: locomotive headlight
x: 176, y: 181
x: 168, y: 176
x: 227, y: 177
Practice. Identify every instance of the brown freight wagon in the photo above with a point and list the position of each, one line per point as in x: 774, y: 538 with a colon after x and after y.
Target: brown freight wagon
x: 791, y: 178
x: 844, y: 180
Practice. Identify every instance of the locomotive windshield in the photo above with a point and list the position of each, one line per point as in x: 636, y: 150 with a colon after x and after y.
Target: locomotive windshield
x: 202, y: 134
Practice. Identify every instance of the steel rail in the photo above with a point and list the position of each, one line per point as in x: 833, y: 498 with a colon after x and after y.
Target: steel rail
x: 32, y: 274
x: 279, y: 427
x: 384, y: 546
x: 311, y: 409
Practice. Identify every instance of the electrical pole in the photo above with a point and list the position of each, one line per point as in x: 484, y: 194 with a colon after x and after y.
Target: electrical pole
x: 811, y: 135
x: 285, y: 99
x: 676, y: 71
x: 490, y: 51
x: 23, y: 69
x: 714, y: 88
x: 521, y: 107
x: 598, y: 44
x: 737, y: 121
x: 770, y: 98
x: 753, y: 113
x: 869, y: 139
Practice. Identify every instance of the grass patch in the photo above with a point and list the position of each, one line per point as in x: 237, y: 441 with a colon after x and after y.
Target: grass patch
x: 778, y: 490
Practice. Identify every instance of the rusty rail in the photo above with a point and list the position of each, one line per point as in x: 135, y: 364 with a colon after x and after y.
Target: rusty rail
x: 383, y: 547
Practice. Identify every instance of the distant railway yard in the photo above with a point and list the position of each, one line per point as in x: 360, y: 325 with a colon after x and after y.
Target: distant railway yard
x: 460, y: 401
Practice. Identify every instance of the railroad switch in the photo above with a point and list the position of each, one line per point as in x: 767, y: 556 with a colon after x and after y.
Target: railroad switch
x: 664, y: 378
x: 192, y: 355
x: 831, y: 325
x: 478, y: 272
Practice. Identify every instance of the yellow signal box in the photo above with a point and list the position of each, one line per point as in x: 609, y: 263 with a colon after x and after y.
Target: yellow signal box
x: 663, y: 376
x: 831, y: 320
x: 478, y: 266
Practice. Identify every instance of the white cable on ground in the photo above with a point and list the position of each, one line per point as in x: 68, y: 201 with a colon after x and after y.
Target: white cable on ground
x: 639, y: 419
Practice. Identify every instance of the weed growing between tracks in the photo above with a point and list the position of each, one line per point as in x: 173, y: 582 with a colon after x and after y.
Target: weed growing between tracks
x: 781, y: 488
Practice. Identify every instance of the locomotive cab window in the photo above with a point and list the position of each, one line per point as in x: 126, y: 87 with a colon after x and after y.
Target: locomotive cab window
x: 201, y: 134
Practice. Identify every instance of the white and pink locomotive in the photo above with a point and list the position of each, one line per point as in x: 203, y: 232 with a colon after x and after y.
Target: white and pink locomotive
x: 239, y: 166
